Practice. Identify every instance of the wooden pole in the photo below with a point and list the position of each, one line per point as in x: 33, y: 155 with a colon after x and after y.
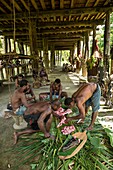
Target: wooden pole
x: 107, y: 42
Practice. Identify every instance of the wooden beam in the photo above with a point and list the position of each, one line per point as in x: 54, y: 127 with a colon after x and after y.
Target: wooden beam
x: 51, y: 13
x: 85, y: 6
x: 25, y: 5
x: 87, y: 3
x: 106, y: 2
x: 34, y: 4
x: 16, y: 5
x: 6, y: 5
x: 69, y: 23
x: 96, y: 2
x: 54, y: 25
x: 1, y: 9
x: 43, y: 4
x: 51, y: 31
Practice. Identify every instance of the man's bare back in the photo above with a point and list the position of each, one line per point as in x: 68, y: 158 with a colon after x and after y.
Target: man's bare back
x: 38, y: 107
x: 84, y: 92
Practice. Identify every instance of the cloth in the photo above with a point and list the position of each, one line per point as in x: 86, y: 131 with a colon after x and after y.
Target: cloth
x: 20, y: 110
x: 94, y: 101
x: 32, y: 120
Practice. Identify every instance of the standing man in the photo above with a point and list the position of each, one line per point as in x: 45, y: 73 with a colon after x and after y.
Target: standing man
x: 87, y: 95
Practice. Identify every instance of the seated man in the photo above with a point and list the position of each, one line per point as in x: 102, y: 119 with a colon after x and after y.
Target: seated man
x: 18, y: 101
x: 29, y: 92
x: 55, y: 91
x: 17, y: 80
x: 43, y: 75
x: 37, y: 115
x: 87, y: 95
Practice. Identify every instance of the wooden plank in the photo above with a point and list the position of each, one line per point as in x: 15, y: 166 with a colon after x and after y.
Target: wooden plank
x: 25, y: 5
x: 34, y: 4
x: 96, y: 2
x: 1, y: 9
x: 51, y: 13
x: 43, y: 4
x: 6, y: 5
x: 16, y: 5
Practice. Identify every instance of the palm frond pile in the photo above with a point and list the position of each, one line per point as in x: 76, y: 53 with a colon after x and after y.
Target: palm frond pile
x: 43, y: 154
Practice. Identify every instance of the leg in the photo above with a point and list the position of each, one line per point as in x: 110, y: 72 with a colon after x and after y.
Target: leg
x: 48, y: 123
x: 27, y: 131
x: 48, y: 126
x: 94, y: 116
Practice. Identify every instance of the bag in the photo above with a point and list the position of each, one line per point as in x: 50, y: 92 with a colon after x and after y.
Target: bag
x: 9, y: 106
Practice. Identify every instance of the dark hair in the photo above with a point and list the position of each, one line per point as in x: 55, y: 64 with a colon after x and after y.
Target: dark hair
x: 57, y: 81
x: 68, y: 101
x: 21, y: 75
x: 23, y: 83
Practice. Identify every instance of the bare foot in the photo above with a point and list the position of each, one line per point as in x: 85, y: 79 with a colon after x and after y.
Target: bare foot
x: 15, y: 138
x: 89, y: 128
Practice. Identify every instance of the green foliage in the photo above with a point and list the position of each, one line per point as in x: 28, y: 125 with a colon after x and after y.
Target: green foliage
x: 91, y: 62
x: 41, y: 153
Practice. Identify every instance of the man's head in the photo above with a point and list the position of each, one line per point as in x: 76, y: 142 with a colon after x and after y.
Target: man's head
x: 69, y: 102
x: 20, y: 77
x: 55, y: 104
x: 24, y: 85
x: 57, y: 81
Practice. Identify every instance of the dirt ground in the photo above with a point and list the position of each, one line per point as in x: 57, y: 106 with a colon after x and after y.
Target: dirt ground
x: 7, y: 158
x: 70, y: 82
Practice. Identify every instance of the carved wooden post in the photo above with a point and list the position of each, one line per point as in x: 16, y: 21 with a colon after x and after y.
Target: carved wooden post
x: 85, y: 54
x: 93, y: 43
x: 107, y: 42
x: 52, y: 56
x: 21, y: 47
x: 45, y: 49
x: 6, y: 46
x: 33, y: 42
x: 9, y: 42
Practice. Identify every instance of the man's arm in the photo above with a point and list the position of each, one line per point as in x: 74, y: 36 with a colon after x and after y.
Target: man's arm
x: 41, y: 123
x: 51, y: 90
x: 24, y: 100
x: 60, y: 91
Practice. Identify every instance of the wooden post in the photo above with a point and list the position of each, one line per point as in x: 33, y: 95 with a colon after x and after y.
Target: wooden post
x: 33, y: 42
x: 107, y: 42
x: 45, y: 49
x: 9, y: 42
x: 6, y: 46
x: 85, y: 55
x: 52, y: 56
x: 93, y: 43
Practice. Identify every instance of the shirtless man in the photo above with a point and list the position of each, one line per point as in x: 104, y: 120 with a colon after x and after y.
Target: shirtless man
x: 55, y: 91
x: 87, y: 95
x: 19, y: 101
x: 29, y: 92
x: 37, y: 115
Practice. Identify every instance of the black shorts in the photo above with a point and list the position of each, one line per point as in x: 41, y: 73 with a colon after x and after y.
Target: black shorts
x: 32, y: 120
